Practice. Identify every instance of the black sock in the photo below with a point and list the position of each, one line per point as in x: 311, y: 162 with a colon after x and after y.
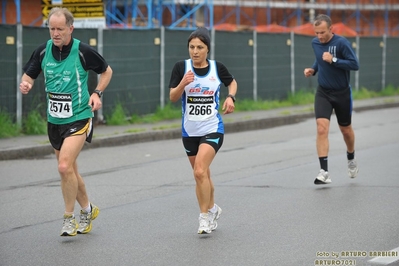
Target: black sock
x: 350, y: 155
x: 324, y: 163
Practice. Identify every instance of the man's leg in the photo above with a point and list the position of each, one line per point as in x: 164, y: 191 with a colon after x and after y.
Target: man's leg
x: 322, y: 143
x: 81, y: 195
x: 343, y: 110
x: 66, y: 167
x: 66, y: 158
x: 349, y: 137
x: 89, y: 211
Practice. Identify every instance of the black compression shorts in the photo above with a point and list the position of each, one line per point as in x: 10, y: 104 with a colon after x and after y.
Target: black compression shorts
x: 327, y: 100
x: 191, y: 144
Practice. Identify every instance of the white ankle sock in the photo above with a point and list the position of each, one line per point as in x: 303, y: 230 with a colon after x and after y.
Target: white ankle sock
x: 214, y: 209
x: 88, y: 208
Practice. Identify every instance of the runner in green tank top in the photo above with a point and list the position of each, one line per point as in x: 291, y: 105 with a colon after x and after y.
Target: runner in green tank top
x: 65, y: 62
x: 67, y: 92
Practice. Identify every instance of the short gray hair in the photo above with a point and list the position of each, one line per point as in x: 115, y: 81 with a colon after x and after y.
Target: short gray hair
x: 64, y: 11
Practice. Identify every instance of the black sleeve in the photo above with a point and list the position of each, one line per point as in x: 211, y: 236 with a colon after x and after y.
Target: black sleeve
x: 33, y: 67
x: 91, y: 59
x: 224, y: 74
x: 179, y: 69
x: 177, y: 74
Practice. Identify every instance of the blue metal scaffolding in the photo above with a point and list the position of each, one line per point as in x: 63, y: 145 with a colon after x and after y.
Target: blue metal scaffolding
x: 4, y: 10
x: 147, y: 14
x: 152, y: 12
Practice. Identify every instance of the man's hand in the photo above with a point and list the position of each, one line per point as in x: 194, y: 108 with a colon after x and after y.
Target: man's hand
x: 25, y: 87
x: 327, y: 57
x: 95, y: 102
x: 308, y: 72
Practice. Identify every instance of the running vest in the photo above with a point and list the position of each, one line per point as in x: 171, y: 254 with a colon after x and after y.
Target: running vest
x: 66, y: 87
x: 200, y: 103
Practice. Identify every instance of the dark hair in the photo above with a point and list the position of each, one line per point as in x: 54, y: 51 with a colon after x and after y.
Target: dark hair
x: 64, y: 11
x: 320, y: 18
x: 202, y: 34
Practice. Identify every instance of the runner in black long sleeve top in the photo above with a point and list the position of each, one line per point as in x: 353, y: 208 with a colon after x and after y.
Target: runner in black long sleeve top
x: 334, y: 61
x: 335, y: 75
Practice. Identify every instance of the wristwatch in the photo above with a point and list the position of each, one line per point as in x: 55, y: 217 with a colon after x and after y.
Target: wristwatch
x: 232, y: 97
x: 334, y: 59
x: 99, y: 93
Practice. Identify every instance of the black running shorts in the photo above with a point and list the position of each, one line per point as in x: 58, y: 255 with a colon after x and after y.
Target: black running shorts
x: 191, y: 144
x: 57, y: 133
x: 327, y: 100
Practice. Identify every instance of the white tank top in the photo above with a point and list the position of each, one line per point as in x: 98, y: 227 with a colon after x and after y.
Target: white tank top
x: 200, y: 103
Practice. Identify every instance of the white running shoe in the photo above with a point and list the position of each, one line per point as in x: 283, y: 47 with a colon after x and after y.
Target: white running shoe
x: 322, y: 178
x: 352, y: 168
x: 69, y: 226
x: 213, y: 217
x: 204, y: 224
x: 86, y: 219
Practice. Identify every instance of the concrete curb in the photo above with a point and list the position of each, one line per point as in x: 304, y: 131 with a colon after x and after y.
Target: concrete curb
x: 39, y: 151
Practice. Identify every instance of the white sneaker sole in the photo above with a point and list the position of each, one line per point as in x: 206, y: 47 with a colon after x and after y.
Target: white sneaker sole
x: 322, y: 182
x: 353, y: 174
x: 204, y: 231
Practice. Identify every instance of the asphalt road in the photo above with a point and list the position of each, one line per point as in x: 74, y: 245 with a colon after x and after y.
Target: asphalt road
x: 273, y: 214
